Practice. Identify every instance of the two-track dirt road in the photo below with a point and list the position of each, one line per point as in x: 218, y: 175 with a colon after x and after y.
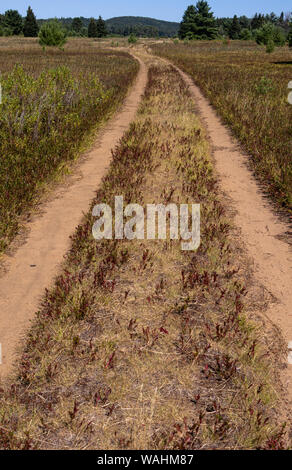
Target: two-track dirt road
x: 35, y: 264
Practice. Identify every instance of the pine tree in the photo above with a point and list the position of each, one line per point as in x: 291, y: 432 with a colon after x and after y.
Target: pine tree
x: 77, y: 25
x: 52, y: 33
x: 101, y: 28
x: 13, y: 21
x: 257, y: 21
x: 198, y: 22
x: 235, y: 28
x: 30, y: 27
x: 290, y: 35
x: 188, y: 21
x: 92, y: 28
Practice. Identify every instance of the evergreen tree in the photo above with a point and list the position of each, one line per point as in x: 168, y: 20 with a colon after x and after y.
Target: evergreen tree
x: 30, y: 27
x: 92, y: 28
x: 101, y: 28
x: 257, y: 21
x: 244, y: 22
x: 188, y: 22
x: 198, y: 21
x: 290, y: 35
x: 13, y: 21
x: 52, y: 33
x: 235, y: 28
x: 77, y: 25
x: 245, y: 34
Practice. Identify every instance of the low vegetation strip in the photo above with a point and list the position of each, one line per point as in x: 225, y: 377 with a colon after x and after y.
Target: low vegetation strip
x: 249, y: 90
x: 140, y: 345
x: 45, y: 117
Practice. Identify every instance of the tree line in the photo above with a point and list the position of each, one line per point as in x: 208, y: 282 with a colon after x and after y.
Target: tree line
x: 12, y: 24
x: 199, y: 23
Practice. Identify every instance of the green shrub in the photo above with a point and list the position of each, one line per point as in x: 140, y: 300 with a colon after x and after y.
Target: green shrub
x: 52, y: 34
x: 245, y: 34
x: 132, y: 39
x: 268, y: 33
x: 4, y: 31
x: 264, y: 85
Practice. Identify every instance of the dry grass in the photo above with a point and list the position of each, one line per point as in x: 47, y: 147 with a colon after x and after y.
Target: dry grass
x: 249, y: 89
x: 140, y: 345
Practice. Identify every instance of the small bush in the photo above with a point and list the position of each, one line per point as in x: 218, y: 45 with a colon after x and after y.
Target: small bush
x: 245, y: 34
x: 265, y: 84
x: 270, y: 33
x: 52, y: 34
x: 132, y: 39
x: 4, y: 31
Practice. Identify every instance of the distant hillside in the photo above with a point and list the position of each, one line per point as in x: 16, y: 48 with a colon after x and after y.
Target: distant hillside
x: 125, y: 25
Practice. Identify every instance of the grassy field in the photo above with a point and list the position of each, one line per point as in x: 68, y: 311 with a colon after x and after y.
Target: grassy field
x: 139, y: 345
x: 249, y: 90
x: 51, y: 100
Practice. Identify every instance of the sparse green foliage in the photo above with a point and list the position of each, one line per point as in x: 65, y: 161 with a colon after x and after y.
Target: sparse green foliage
x: 264, y: 86
x: 52, y: 34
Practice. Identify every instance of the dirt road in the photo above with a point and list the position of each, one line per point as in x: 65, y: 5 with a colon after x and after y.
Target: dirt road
x: 36, y: 262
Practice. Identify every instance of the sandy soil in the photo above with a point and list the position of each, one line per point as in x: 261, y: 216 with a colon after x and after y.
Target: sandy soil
x: 263, y: 233
x: 35, y: 264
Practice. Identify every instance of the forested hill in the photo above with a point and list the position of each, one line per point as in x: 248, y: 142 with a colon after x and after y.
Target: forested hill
x: 141, y: 26
x: 125, y: 25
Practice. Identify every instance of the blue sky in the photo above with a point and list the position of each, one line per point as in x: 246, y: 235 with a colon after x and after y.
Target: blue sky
x: 171, y: 10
